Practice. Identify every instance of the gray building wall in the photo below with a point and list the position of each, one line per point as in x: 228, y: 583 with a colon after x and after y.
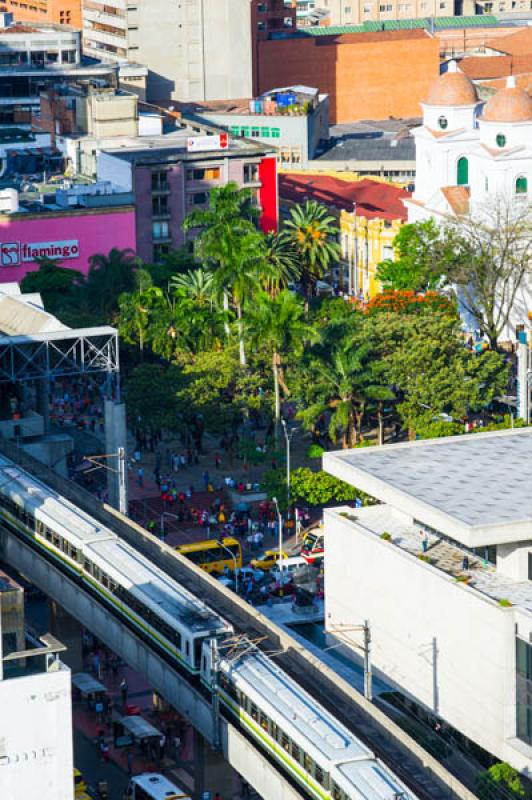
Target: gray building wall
x: 194, y: 50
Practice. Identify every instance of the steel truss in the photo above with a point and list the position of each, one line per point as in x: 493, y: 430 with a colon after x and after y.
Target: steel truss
x: 47, y: 356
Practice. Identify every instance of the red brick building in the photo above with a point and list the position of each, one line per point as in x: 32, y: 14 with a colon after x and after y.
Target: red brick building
x: 61, y: 12
x: 366, y: 75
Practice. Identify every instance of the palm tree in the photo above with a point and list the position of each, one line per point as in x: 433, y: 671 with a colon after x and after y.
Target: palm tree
x: 277, y: 324
x: 196, y: 284
x: 346, y: 378
x: 135, y: 308
x: 110, y: 276
x: 313, y: 232
x: 229, y: 240
x: 281, y: 258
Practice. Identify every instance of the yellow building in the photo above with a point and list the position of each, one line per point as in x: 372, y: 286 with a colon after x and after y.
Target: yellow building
x: 369, y: 215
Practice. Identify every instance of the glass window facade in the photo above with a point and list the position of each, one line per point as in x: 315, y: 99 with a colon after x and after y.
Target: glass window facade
x: 524, y: 690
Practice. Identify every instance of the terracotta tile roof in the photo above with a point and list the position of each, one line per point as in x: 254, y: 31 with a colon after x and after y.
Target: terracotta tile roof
x: 486, y: 67
x: 458, y: 198
x: 517, y: 44
x: 373, y: 199
x: 523, y: 81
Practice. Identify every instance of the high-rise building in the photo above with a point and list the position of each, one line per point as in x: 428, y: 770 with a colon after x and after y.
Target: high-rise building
x: 194, y: 50
x: 355, y: 12
x: 63, y: 12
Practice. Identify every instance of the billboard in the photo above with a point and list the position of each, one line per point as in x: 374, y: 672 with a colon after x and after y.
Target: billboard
x: 198, y: 144
x: 14, y: 253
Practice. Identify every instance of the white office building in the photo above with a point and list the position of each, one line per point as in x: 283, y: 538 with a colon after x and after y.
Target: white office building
x: 36, y: 759
x: 442, y: 570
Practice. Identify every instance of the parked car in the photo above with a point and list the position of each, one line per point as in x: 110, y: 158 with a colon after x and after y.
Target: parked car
x: 267, y: 560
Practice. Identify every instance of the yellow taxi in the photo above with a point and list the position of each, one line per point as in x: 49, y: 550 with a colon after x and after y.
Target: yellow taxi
x: 267, y: 560
x: 80, y: 787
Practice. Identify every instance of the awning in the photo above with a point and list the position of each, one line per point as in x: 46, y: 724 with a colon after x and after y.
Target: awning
x: 140, y: 728
x: 87, y: 684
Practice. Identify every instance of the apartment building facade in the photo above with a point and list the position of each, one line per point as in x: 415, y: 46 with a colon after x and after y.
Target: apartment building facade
x: 172, y: 178
x: 194, y: 50
x: 354, y: 12
x: 62, y: 12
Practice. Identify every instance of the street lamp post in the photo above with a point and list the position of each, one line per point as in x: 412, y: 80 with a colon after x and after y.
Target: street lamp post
x: 280, y: 524
x: 288, y: 433
x: 235, y: 562
x: 120, y: 472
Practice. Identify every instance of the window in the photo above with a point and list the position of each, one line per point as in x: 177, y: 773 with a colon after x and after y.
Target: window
x: 159, y: 181
x: 296, y: 752
x: 530, y: 566
x: 521, y: 185
x: 500, y: 139
x: 462, y: 171
x: 159, y: 205
x: 244, y: 131
x: 160, y: 251
x: 160, y: 230
x: 265, y: 132
x: 203, y: 174
x: 276, y: 133
x: 251, y: 173
x: 198, y: 198
x: 255, y: 133
x: 442, y: 122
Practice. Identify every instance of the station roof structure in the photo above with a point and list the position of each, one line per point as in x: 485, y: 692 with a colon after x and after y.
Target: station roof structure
x: 475, y: 488
x: 35, y: 345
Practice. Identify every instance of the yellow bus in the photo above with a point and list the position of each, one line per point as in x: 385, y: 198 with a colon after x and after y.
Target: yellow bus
x: 214, y: 555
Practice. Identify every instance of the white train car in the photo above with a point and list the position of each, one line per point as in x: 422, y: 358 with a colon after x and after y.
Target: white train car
x: 319, y: 753
x: 159, y: 608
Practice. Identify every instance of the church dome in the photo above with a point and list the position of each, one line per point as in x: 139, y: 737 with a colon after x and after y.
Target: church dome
x: 452, y: 88
x: 510, y: 104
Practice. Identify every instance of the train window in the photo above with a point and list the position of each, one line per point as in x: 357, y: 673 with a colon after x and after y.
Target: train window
x: 285, y: 742
x: 177, y: 639
x: 275, y: 731
x: 336, y: 792
x: 197, y: 650
x: 74, y: 554
x: 308, y: 763
x: 48, y: 534
x: 264, y: 722
x: 56, y: 541
x: 321, y: 776
x: 87, y: 566
x: 65, y: 546
x: 204, y: 664
x: 96, y: 572
x: 254, y: 711
x: 296, y: 752
x: 105, y: 580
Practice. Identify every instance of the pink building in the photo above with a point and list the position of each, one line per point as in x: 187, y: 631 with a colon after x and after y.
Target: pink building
x: 69, y: 236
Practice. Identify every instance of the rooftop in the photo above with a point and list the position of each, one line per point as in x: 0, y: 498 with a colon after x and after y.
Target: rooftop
x: 441, y: 554
x: 373, y: 199
x: 485, y: 20
x: 383, y: 140
x: 474, y: 488
x: 516, y: 44
x: 479, y: 68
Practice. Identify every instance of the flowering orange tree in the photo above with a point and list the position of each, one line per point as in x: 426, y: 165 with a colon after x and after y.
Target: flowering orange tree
x: 408, y: 302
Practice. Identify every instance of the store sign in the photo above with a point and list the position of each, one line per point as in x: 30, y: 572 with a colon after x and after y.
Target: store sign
x: 12, y: 254
x: 197, y: 144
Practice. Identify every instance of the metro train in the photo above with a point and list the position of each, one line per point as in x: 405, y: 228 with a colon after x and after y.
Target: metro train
x: 312, y: 748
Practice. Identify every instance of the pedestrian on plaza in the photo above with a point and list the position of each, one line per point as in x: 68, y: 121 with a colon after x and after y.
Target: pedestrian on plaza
x: 140, y: 476
x: 162, y: 745
x: 182, y: 461
x: 189, y: 456
x: 129, y: 757
x: 217, y: 460
x: 96, y: 665
x: 205, y: 477
x: 123, y: 692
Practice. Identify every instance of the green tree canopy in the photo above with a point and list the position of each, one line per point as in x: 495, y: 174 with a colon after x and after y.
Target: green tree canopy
x: 56, y: 285
x: 151, y: 397
x: 424, y: 257
x: 314, y: 232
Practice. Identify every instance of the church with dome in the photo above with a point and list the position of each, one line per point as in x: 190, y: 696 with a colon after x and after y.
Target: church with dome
x: 470, y: 152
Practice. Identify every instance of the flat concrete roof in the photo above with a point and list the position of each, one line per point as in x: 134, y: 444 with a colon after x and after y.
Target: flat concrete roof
x: 475, y: 488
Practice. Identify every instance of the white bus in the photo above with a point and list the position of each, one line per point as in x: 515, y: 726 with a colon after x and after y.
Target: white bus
x: 152, y: 786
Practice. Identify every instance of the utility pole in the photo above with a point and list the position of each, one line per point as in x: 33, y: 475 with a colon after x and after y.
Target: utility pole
x: 288, y: 433
x: 368, y: 677
x: 122, y: 483
x: 280, y: 524
x: 215, y: 697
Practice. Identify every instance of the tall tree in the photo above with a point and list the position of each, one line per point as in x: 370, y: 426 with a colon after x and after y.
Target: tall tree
x: 280, y: 255
x: 277, y: 325
x: 110, y: 276
x: 196, y: 284
x: 135, y: 308
x: 314, y: 234
x: 345, y: 377
x: 57, y: 285
x: 424, y: 257
x: 228, y: 240
x: 493, y: 263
